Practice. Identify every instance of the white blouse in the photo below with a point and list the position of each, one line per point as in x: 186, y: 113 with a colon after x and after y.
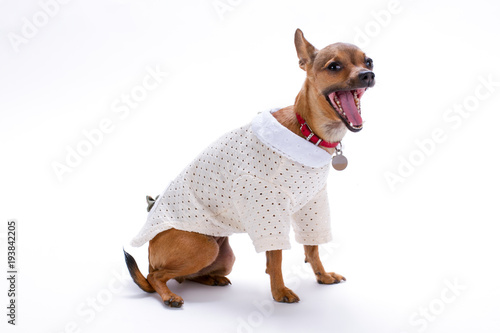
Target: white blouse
x: 258, y: 179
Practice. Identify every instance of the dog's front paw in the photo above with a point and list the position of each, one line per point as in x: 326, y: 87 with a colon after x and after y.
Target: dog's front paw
x: 329, y: 278
x: 285, y: 295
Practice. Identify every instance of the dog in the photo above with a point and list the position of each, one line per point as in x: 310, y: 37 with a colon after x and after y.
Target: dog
x: 260, y: 179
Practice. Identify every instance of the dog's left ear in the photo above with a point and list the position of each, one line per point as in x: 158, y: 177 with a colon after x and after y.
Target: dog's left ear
x: 305, y: 50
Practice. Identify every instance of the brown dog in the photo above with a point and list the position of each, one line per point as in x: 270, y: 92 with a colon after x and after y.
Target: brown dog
x: 337, y: 76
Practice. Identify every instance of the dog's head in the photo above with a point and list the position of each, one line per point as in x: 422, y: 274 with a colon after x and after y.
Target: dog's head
x: 340, y: 73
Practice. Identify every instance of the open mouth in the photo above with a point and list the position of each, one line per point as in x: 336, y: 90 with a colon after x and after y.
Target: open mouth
x: 347, y: 105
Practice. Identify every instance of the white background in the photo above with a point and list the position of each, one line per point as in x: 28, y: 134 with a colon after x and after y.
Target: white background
x: 400, y: 247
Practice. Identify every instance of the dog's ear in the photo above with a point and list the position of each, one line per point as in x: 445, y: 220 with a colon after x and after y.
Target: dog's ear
x: 305, y: 51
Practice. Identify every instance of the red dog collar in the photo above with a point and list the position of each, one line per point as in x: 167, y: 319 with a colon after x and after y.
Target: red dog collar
x: 311, y: 137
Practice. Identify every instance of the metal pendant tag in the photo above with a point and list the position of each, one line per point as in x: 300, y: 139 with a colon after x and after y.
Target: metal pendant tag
x: 339, y: 161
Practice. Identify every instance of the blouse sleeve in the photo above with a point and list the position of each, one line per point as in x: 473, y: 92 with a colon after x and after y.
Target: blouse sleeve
x: 311, y: 223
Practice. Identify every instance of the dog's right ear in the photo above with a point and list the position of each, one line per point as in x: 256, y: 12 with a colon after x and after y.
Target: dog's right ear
x: 305, y: 51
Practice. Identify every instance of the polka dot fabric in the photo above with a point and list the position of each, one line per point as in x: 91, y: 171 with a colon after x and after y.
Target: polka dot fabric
x: 241, y: 184
x: 309, y: 222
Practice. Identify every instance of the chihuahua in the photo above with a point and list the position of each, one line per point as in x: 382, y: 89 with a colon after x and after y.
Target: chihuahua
x: 260, y: 179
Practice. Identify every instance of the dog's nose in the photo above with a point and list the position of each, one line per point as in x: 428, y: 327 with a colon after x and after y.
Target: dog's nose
x: 367, y: 77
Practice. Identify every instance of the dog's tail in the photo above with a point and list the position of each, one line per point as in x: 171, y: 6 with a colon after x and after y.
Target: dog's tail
x: 136, y: 274
x: 151, y: 202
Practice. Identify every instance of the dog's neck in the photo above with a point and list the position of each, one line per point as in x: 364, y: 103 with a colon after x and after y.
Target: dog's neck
x: 311, y: 105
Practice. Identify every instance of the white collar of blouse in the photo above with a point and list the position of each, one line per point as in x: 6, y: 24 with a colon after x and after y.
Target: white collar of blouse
x: 279, y: 138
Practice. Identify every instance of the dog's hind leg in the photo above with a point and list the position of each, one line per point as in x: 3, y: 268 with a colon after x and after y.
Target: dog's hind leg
x: 158, y: 280
x: 215, y: 273
x: 175, y: 253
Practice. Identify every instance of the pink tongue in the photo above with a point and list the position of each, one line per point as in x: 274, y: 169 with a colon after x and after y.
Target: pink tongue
x: 349, y: 106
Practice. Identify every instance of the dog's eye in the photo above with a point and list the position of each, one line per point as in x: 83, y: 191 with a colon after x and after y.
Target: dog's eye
x: 334, y: 66
x: 369, y: 63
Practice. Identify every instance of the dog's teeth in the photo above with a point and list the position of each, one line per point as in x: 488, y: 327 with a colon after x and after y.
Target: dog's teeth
x: 356, y: 101
x: 337, y: 102
x: 338, y: 105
